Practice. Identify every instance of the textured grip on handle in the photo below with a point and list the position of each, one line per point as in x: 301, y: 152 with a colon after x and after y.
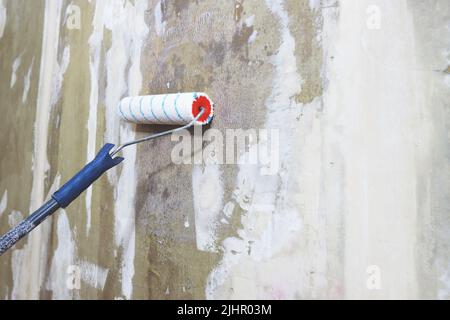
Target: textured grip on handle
x: 24, y: 227
x: 83, y: 179
x: 15, y: 234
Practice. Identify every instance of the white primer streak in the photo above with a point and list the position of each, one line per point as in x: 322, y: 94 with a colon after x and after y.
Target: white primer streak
x: 28, y: 273
x: 2, y: 18
x: 128, y: 32
x: 160, y: 25
x: 316, y: 4
x: 95, y: 46
x: 26, y: 82
x: 14, y: 218
x: 207, y: 191
x: 63, y: 258
x: 4, y: 202
x: 250, y: 21
x: 58, y: 76
x: 17, y: 258
x: 15, y: 67
x: 252, y: 37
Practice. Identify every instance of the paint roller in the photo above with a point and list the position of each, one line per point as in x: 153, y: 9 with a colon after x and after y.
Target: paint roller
x: 180, y: 109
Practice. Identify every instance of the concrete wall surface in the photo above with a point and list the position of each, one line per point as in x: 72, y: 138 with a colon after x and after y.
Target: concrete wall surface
x: 345, y: 104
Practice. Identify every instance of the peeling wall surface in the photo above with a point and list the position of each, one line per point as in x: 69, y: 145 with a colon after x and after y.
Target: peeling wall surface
x: 352, y: 94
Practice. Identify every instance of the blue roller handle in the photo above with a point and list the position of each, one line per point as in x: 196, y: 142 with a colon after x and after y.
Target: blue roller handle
x: 63, y: 197
x: 83, y: 179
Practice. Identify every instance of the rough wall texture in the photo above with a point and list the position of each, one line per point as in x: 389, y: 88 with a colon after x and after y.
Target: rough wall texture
x: 356, y: 90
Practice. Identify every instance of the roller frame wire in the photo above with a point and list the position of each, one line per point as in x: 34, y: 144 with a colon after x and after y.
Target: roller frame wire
x: 157, y: 135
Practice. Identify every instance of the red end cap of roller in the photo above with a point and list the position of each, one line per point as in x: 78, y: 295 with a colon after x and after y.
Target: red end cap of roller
x: 205, y: 103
